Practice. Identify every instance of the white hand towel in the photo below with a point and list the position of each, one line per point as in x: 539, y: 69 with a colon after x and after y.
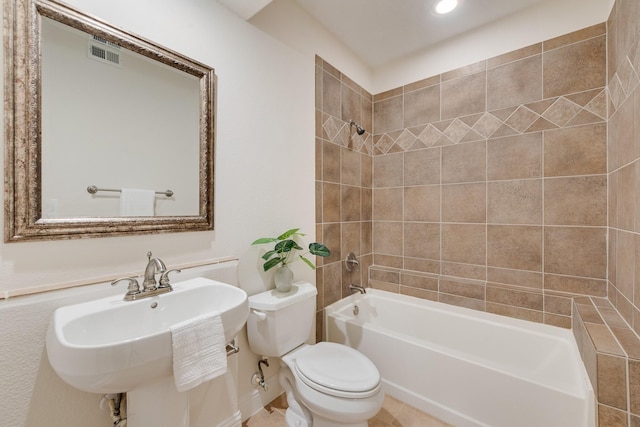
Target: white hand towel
x: 136, y: 202
x: 199, y: 352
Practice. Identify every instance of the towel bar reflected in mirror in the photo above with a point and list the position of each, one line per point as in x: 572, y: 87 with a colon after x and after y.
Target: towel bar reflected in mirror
x: 92, y: 189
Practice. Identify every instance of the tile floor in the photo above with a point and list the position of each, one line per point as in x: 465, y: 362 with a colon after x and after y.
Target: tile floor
x: 394, y: 413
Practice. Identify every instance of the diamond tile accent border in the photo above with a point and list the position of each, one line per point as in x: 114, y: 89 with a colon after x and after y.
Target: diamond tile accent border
x: 561, y: 112
x: 570, y: 110
x: 341, y: 133
x: 487, y: 125
x: 456, y: 131
x: 625, y: 80
x: 429, y: 136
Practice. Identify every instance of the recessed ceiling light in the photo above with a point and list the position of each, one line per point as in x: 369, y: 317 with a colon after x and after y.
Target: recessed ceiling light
x: 445, y: 6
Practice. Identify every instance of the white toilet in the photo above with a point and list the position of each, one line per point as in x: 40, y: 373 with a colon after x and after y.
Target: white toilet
x: 327, y: 384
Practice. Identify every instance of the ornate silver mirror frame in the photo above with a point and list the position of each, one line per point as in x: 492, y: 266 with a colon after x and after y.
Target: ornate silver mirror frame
x: 23, y: 198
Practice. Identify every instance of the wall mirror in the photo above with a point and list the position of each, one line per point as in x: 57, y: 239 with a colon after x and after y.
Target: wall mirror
x: 106, y: 133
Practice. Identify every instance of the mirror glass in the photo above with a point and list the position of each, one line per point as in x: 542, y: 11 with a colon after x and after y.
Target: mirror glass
x: 107, y: 132
x: 141, y: 130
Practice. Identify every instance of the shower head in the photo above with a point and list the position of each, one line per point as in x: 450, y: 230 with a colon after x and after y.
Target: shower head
x: 359, y: 128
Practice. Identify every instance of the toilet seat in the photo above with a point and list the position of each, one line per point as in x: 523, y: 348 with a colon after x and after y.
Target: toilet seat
x: 337, y: 370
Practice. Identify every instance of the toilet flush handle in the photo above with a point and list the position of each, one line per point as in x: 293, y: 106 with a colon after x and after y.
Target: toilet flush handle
x: 260, y: 315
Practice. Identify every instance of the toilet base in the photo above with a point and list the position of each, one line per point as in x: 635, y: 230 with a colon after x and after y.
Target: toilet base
x: 308, y: 409
x: 292, y: 419
x: 296, y: 415
x: 319, y: 422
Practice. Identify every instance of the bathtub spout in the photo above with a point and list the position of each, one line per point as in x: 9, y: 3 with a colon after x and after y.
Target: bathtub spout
x: 358, y: 288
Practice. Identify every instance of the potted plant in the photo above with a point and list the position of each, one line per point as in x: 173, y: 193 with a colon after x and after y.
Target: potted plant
x: 285, y: 252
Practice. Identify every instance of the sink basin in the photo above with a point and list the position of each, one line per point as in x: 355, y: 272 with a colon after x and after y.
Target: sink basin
x: 112, y: 346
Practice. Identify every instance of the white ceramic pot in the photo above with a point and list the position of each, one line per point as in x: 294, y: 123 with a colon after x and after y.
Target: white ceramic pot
x: 283, y: 278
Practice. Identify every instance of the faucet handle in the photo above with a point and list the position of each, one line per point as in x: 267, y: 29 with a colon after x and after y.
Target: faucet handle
x: 132, y: 289
x: 352, y: 263
x: 160, y: 266
x: 164, y: 278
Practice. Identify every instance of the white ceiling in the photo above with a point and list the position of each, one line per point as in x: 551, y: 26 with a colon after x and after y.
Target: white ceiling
x: 245, y: 8
x: 380, y: 31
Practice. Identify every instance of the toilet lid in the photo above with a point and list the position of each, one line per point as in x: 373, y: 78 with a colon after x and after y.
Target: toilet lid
x: 329, y: 367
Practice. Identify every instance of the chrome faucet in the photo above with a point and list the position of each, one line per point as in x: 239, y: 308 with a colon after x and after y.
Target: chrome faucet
x: 351, y: 263
x: 358, y: 288
x: 149, y: 288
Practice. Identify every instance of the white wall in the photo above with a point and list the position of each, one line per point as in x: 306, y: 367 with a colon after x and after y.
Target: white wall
x: 265, y: 125
x: 264, y: 184
x: 289, y: 23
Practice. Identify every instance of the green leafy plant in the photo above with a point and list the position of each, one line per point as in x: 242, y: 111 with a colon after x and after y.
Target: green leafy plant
x: 286, y: 248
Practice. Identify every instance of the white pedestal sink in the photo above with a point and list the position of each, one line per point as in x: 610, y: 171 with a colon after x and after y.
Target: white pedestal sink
x: 112, y: 346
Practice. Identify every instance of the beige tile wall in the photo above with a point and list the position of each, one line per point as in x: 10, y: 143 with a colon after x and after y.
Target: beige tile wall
x: 489, y: 181
x: 624, y: 160
x: 492, y: 181
x: 622, y: 406
x: 494, y: 187
x: 344, y: 198
x: 611, y: 354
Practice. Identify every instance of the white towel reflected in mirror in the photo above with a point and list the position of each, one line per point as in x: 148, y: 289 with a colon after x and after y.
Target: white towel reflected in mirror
x: 137, y: 202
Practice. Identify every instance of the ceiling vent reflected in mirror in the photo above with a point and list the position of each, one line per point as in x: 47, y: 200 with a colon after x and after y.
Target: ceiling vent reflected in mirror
x: 104, y: 51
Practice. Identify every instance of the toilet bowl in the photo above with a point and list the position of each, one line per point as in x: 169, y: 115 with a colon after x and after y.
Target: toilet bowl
x: 327, y: 384
x: 339, y: 385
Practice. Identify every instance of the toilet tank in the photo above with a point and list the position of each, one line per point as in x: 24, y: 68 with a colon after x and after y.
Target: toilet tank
x: 281, y: 321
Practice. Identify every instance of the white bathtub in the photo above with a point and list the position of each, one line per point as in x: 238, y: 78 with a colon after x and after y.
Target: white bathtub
x: 466, y: 367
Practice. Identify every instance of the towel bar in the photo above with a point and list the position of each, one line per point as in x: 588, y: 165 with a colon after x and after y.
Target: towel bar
x: 232, y: 348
